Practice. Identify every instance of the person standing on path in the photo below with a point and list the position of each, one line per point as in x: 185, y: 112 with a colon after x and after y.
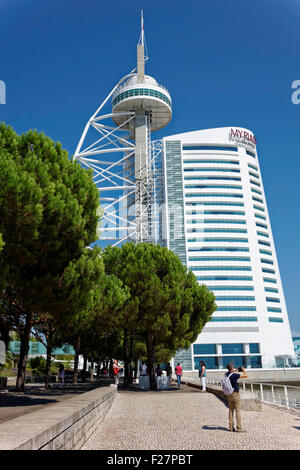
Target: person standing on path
x: 234, y: 400
x: 178, y: 372
x: 116, y: 369
x: 202, y: 375
x: 169, y: 371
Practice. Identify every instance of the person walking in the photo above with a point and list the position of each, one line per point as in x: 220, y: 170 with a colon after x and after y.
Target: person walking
x: 158, y: 371
x: 143, y: 369
x: 116, y: 369
x: 234, y: 400
x: 178, y: 372
x: 202, y: 375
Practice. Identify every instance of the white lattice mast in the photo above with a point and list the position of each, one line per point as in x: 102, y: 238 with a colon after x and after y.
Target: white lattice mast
x: 125, y: 163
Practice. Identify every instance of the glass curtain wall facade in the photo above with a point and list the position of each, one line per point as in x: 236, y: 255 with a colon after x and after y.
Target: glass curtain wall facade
x: 218, y: 223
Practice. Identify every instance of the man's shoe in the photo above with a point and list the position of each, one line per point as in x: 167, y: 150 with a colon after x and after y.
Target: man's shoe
x: 231, y: 429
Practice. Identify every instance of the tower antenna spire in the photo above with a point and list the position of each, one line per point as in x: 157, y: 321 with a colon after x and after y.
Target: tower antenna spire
x: 142, y: 27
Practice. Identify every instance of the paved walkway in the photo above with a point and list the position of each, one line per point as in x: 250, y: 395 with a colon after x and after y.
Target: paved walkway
x: 188, y: 419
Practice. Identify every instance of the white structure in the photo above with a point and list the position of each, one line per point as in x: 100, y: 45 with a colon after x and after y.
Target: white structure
x: 216, y: 219
x: 126, y: 163
x: 218, y: 224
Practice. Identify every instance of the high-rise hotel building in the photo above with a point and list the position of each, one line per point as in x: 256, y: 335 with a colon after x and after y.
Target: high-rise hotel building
x: 218, y: 223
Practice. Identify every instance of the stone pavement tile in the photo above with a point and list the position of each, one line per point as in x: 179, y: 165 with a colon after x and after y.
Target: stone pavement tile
x: 180, y: 420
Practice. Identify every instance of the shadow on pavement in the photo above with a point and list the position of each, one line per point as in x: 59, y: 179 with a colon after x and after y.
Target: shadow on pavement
x: 214, y: 428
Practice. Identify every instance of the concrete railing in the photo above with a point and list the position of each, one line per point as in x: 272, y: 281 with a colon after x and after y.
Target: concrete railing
x: 249, y: 399
x: 64, y: 426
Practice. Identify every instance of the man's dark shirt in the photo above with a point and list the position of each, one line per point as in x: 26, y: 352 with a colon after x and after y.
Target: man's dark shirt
x: 233, y: 379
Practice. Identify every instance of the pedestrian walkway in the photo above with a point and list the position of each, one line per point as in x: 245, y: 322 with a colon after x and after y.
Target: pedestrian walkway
x: 189, y: 420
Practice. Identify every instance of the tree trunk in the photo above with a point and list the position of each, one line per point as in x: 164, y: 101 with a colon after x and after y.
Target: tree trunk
x: 135, y: 370
x: 24, y: 349
x: 130, y: 359
x: 48, y: 360
x: 150, y: 357
x: 125, y: 385
x: 92, y: 371
x: 76, y: 360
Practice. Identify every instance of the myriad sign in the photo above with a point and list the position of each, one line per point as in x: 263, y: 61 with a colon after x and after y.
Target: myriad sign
x: 242, y: 137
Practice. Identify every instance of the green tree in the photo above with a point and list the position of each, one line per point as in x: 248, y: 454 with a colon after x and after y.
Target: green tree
x: 171, y: 308
x: 90, y: 300
x: 48, y: 208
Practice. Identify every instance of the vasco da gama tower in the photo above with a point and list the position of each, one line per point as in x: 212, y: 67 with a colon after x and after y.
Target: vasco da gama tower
x: 200, y: 194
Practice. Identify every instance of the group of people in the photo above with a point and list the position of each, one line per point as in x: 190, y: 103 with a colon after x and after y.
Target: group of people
x: 159, y: 371
x: 233, y: 375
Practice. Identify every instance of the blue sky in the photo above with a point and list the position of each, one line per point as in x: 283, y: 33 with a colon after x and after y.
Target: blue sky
x: 225, y: 63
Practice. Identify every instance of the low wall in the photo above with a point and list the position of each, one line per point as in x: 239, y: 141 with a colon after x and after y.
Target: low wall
x: 249, y: 400
x: 64, y: 426
x: 254, y: 375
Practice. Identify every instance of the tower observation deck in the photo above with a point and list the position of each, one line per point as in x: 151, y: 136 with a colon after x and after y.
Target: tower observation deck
x: 126, y: 163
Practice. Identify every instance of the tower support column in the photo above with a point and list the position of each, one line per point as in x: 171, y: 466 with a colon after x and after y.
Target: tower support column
x: 141, y: 175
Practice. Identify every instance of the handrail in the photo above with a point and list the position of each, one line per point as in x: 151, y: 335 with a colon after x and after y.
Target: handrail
x: 268, y: 392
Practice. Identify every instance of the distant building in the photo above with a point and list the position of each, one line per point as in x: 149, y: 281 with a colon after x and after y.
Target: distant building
x: 296, y: 342
x: 38, y: 349
x: 219, y: 226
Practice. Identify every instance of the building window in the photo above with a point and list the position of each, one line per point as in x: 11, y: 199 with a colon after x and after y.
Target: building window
x: 214, y: 203
x: 257, y: 191
x: 221, y: 268
x: 204, y: 349
x: 208, y: 147
x: 212, y: 195
x: 251, y: 173
x: 233, y: 319
x: 224, y: 278
x: 262, y: 242
x: 258, y: 207
x: 275, y: 320
x: 236, y: 309
x: 209, y: 186
x: 266, y: 270
x: 218, y: 248
x: 272, y: 299
x: 254, y: 348
x: 210, y: 362
x: 231, y: 162
x: 223, y: 298
x: 268, y: 279
x: 259, y: 216
x: 237, y: 361
x: 232, y: 348
x: 267, y: 261
x: 231, y: 240
x: 271, y: 289
x: 217, y: 288
x: 255, y: 362
x: 217, y: 258
x: 274, y: 309
x: 252, y: 166
x: 250, y: 153
x: 257, y: 199
x: 216, y: 230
